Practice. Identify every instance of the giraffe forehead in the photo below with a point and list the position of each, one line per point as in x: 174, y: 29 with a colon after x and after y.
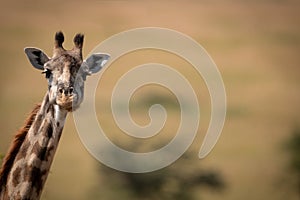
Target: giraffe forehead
x: 64, y: 63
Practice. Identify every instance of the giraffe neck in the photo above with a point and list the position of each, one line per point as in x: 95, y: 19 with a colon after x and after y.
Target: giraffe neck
x: 32, y: 158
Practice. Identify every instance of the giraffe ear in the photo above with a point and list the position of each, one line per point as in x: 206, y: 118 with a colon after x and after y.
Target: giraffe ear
x: 36, y: 57
x: 96, y: 61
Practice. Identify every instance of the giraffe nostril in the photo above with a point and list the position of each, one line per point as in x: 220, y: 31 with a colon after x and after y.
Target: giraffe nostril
x: 71, y: 89
x: 61, y: 90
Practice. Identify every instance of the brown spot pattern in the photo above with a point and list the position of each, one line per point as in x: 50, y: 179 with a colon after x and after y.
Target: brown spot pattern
x: 15, y: 147
x: 16, y: 176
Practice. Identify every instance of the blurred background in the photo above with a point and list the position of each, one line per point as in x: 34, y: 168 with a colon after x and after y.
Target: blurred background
x: 255, y: 45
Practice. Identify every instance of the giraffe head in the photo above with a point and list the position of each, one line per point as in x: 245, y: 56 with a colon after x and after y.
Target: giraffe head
x: 66, y: 71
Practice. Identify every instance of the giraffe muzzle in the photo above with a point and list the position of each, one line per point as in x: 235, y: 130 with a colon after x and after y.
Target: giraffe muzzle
x: 66, y: 98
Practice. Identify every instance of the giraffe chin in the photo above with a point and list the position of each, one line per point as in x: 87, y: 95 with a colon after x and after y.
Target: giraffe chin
x: 69, y: 106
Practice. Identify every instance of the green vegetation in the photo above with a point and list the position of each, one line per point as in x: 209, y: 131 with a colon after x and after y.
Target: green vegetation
x: 1, y: 158
x: 180, y: 181
x: 293, y: 149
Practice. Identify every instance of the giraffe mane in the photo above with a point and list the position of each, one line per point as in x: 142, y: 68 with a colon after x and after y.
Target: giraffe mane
x: 15, y: 146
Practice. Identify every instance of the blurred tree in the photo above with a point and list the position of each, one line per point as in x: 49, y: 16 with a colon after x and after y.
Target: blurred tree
x: 293, y: 149
x: 1, y: 157
x: 179, y: 181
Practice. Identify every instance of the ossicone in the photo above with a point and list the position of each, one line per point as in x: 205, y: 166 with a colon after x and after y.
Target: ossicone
x: 59, y: 39
x: 78, y: 40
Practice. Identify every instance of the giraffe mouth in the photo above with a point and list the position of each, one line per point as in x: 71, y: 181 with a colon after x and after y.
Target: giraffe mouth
x: 67, y: 102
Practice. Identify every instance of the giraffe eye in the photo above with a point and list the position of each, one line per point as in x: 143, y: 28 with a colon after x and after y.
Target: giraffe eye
x: 47, y: 73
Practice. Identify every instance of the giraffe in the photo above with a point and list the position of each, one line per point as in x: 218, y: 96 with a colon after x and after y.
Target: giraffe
x: 26, y: 165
